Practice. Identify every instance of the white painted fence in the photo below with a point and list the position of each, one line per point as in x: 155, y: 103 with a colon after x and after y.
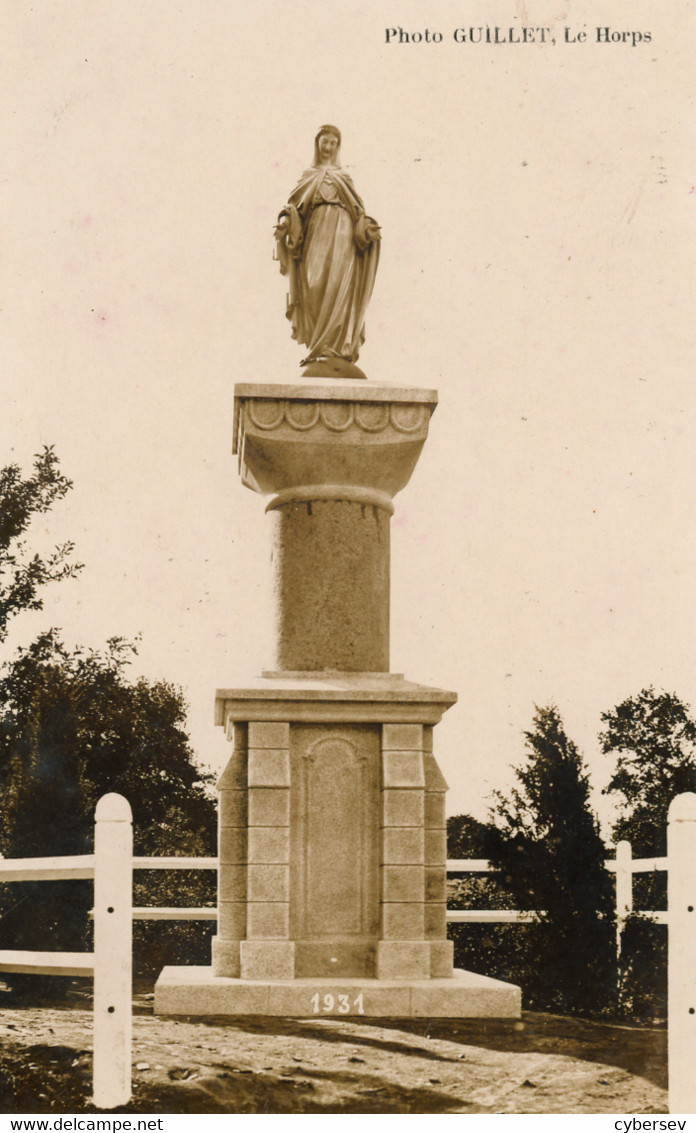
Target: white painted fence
x: 681, y: 962
x: 110, y: 963
x: 624, y: 865
x: 112, y: 864
x: 484, y: 916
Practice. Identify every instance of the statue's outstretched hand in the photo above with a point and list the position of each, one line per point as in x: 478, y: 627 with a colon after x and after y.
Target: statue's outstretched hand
x: 289, y: 237
x: 366, y: 232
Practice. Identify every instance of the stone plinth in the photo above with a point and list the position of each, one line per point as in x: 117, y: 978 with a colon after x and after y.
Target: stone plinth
x: 332, y: 858
x: 196, y: 991
x: 323, y: 842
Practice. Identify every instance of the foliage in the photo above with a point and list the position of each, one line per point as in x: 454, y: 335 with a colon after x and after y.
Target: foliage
x: 497, y: 950
x: 501, y: 951
x: 653, y: 738
x: 21, y: 500
x: 547, y: 846
x: 643, y: 969
x: 467, y: 837
x: 158, y: 943
x: 72, y: 727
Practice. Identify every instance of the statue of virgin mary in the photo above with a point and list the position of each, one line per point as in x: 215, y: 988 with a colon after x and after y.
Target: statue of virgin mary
x: 329, y: 249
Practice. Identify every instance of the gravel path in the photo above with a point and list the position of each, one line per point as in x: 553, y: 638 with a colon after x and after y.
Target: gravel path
x: 543, y: 1064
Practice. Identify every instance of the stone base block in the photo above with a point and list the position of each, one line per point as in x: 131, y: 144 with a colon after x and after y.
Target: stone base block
x: 441, y: 958
x: 403, y: 960
x: 267, y: 959
x: 225, y: 957
x: 356, y: 960
x: 466, y: 995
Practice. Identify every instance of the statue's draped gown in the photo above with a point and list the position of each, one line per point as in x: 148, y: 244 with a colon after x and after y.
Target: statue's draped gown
x: 329, y: 251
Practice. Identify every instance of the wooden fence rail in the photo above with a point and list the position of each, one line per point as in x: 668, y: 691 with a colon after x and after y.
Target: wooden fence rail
x: 624, y: 865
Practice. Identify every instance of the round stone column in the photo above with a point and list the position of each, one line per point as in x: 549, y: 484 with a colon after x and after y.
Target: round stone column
x: 333, y: 456
x: 331, y: 584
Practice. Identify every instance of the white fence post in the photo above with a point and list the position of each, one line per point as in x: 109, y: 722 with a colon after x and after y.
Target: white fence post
x: 113, y: 935
x: 681, y: 955
x: 624, y: 889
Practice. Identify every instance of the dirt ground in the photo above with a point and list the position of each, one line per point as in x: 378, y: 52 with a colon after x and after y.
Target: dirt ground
x: 543, y: 1064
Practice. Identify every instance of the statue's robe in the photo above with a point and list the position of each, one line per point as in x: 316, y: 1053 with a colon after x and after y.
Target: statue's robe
x: 329, y: 249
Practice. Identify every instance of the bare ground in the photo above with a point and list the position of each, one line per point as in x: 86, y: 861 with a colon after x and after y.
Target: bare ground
x: 543, y: 1064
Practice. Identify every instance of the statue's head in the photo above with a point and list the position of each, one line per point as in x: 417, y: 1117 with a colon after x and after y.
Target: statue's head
x: 327, y: 145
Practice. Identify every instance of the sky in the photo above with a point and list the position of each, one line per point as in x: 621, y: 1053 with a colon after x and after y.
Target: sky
x: 536, y: 204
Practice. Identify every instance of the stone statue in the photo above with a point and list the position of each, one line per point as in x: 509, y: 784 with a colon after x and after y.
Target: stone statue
x: 329, y: 249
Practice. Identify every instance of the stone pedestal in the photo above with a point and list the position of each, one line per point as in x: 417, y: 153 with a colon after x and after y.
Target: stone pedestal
x: 332, y: 847
x: 332, y: 456
x: 327, y: 865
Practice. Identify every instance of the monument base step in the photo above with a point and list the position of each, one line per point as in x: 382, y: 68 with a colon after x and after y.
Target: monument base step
x: 466, y: 995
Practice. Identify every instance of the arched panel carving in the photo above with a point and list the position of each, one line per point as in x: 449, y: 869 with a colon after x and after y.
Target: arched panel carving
x: 335, y: 863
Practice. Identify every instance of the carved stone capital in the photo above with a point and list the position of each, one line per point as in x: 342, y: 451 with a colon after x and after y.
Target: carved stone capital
x: 321, y: 441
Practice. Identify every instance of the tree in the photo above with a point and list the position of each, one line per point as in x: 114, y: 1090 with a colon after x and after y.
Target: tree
x: 467, y: 837
x: 547, y: 845
x: 21, y: 500
x: 653, y: 737
x: 72, y: 727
